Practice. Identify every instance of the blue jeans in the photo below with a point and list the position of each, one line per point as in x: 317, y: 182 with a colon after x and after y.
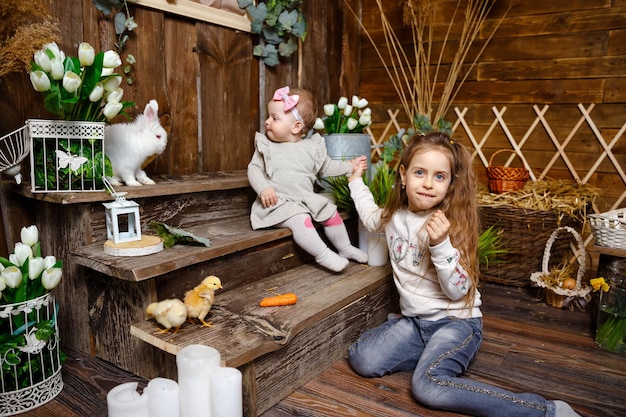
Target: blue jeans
x: 438, y: 352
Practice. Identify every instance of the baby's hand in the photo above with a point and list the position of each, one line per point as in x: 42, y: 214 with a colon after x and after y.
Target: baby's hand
x: 357, y: 172
x: 437, y: 227
x: 360, y: 162
x: 268, y: 197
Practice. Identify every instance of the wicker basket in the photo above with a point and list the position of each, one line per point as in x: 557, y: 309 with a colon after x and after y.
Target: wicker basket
x: 503, y: 178
x: 524, y: 234
x: 609, y: 229
x: 556, y: 296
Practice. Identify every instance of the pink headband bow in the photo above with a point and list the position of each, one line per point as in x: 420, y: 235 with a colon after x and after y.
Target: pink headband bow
x: 282, y: 94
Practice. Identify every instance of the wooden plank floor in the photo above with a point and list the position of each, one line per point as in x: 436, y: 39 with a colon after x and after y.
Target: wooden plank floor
x: 528, y: 346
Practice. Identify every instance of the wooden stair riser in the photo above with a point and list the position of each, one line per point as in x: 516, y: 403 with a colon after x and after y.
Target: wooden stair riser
x: 277, y: 374
x: 114, y: 303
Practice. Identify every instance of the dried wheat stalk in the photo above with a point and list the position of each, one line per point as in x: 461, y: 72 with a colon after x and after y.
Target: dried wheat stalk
x: 414, y: 84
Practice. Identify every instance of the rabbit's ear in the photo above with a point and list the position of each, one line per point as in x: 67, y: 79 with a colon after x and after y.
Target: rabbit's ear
x: 151, y: 111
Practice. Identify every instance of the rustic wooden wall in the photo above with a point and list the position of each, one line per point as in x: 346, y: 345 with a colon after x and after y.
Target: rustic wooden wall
x: 207, y: 83
x: 203, y: 75
x: 559, y: 53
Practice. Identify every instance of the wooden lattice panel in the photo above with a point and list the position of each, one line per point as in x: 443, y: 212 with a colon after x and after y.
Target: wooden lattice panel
x: 540, y: 125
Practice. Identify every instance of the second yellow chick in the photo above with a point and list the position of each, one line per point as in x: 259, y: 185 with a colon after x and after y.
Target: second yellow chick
x: 200, y: 299
x: 168, y: 313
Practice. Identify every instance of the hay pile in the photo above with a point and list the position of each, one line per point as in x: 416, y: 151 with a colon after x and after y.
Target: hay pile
x: 568, y: 198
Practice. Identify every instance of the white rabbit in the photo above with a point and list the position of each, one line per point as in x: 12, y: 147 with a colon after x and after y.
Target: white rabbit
x: 128, y: 145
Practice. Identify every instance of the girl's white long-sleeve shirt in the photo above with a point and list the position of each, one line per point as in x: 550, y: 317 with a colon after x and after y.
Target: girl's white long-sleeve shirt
x: 430, y: 280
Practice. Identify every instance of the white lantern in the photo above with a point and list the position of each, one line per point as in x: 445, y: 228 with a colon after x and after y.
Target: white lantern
x: 122, y: 217
x: 123, y: 223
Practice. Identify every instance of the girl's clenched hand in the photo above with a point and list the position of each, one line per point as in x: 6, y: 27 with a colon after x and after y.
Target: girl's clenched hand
x: 437, y: 227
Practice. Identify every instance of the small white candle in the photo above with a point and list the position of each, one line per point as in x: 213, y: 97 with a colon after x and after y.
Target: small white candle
x: 163, y: 398
x: 125, y: 401
x: 226, y: 393
x: 195, y: 364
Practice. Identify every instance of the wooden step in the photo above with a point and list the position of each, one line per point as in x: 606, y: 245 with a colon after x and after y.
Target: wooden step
x: 243, y: 330
x: 279, y: 349
x: 227, y: 235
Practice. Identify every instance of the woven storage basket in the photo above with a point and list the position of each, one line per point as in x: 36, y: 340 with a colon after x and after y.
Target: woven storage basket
x: 503, y: 178
x: 524, y: 234
x: 609, y: 229
x: 556, y: 296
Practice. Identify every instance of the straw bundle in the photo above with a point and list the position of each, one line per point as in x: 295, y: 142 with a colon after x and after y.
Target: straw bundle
x: 527, y: 217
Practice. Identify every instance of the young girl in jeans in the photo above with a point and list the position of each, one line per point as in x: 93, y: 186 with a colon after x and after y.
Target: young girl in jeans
x: 432, y: 228
x: 283, y: 170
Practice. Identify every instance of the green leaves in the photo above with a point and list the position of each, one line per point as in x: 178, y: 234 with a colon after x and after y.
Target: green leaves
x: 280, y: 24
x: 490, y: 246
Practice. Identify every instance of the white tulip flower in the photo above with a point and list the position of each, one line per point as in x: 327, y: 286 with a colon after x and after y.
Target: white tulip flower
x: 71, y: 81
x: 361, y: 103
x: 347, y: 111
x: 329, y: 109
x: 29, y: 235
x: 366, y: 111
x: 107, y: 71
x: 35, y: 267
x: 111, y: 59
x: 365, y: 120
x: 51, y: 278
x: 12, y: 276
x: 351, y: 123
x: 355, y: 101
x: 342, y: 103
x: 56, y: 51
x: 319, y: 124
x: 56, y: 68
x: 86, y: 54
x: 97, y: 93
x: 49, y: 261
x: 111, y: 110
x: 40, y: 81
x: 115, y: 96
x: 43, y: 60
x: 22, y: 252
x: 112, y: 83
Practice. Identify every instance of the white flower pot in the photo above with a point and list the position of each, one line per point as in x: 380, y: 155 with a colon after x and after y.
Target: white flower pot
x: 375, y: 244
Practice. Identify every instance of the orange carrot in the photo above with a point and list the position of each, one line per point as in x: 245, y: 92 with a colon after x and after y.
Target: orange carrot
x: 286, y: 299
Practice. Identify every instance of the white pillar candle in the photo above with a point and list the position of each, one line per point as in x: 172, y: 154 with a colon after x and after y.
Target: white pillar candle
x: 195, y: 364
x: 125, y: 401
x: 163, y: 398
x: 226, y: 393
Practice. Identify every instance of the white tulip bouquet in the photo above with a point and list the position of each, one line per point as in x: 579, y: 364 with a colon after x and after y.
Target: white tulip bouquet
x: 26, y: 274
x: 79, y: 88
x: 29, y: 348
x: 345, y: 117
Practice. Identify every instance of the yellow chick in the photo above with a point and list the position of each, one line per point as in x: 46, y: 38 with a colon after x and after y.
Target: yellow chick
x: 168, y: 313
x: 199, y: 300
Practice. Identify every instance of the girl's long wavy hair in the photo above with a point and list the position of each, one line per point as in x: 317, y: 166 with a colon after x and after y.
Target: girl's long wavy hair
x: 459, y: 205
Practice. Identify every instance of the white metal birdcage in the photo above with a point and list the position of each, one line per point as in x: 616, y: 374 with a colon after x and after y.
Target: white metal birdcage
x: 66, y: 155
x: 14, y: 148
x: 30, y: 374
